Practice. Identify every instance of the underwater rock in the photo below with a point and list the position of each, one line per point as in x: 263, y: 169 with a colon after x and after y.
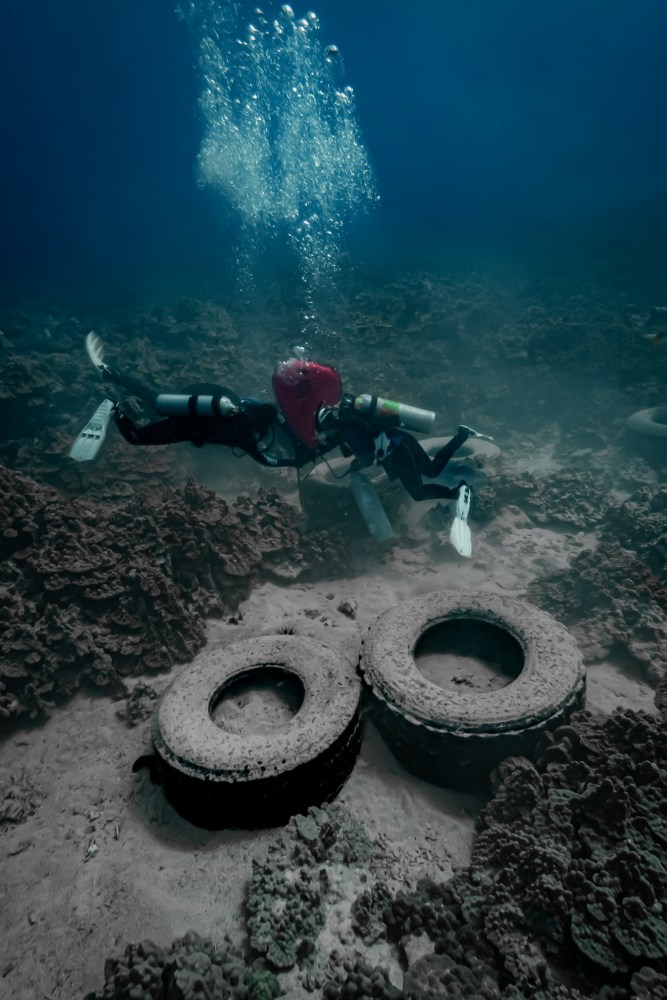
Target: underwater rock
x: 569, y: 870
x: 99, y: 590
x: 517, y: 787
x: 19, y: 797
x: 617, y: 909
x: 367, y: 913
x: 139, y: 704
x: 364, y: 982
x: 192, y: 969
x: 571, y: 498
x: 610, y: 600
x: 288, y: 892
x: 640, y: 524
x: 437, y: 977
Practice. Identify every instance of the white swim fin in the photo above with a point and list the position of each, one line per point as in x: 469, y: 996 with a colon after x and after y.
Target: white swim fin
x: 91, y: 438
x: 474, y: 434
x: 459, y: 534
x: 95, y: 351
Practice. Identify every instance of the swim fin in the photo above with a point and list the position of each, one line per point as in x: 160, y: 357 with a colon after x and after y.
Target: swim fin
x: 95, y: 351
x: 459, y: 534
x: 91, y: 438
x: 474, y: 434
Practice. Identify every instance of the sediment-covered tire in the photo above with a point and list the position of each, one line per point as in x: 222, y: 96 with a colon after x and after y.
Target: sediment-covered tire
x: 455, y: 737
x: 219, y: 779
x: 651, y: 422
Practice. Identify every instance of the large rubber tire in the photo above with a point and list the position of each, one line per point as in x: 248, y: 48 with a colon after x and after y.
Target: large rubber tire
x: 456, y: 737
x: 651, y: 422
x: 220, y: 779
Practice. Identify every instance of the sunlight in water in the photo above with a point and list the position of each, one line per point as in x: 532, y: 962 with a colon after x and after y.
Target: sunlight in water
x: 281, y: 138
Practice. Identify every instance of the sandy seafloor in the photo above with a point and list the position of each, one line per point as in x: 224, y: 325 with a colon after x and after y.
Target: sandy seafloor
x: 103, y: 860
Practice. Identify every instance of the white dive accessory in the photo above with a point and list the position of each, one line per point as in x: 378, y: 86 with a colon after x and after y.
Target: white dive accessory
x: 459, y: 534
x: 91, y: 438
x: 411, y: 418
x: 169, y: 404
x: 370, y: 507
x: 475, y: 434
x: 95, y: 351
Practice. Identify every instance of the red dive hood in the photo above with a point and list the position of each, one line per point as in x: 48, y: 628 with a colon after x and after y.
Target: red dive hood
x: 301, y: 388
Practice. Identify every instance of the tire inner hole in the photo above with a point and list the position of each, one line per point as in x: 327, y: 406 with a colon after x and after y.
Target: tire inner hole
x: 259, y: 700
x: 467, y: 653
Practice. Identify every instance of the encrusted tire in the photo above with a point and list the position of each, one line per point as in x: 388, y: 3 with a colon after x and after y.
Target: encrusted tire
x: 651, y: 422
x: 217, y: 778
x: 455, y: 737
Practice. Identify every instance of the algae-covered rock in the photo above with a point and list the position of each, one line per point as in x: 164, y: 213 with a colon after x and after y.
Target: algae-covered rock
x: 286, y: 897
x: 192, y: 969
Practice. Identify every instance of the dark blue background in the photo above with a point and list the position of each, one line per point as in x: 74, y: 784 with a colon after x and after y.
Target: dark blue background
x: 480, y: 117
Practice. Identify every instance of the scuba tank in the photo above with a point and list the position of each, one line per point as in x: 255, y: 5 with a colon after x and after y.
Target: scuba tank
x: 403, y: 415
x: 169, y: 404
x: 370, y: 507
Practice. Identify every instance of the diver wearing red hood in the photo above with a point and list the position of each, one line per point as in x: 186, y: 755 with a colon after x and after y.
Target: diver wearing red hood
x: 315, y: 416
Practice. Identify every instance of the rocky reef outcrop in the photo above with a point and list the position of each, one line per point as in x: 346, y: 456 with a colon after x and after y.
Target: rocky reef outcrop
x: 564, y: 898
x: 96, y: 590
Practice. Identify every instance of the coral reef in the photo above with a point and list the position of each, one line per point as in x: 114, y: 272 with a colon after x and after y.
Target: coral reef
x: 367, y: 913
x: 191, y: 969
x: 564, y: 898
x: 289, y: 898
x: 587, y: 863
x: 572, y: 499
x: 97, y: 590
x: 19, y: 797
x: 569, y: 871
x: 611, y: 601
x: 287, y: 895
x: 363, y: 980
x: 640, y: 524
x: 139, y: 704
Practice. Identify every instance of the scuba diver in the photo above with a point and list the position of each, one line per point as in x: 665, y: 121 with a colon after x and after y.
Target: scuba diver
x: 313, y: 417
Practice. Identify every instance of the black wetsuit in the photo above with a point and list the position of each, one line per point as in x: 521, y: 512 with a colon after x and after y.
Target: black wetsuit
x: 408, y: 462
x: 402, y: 457
x: 252, y: 428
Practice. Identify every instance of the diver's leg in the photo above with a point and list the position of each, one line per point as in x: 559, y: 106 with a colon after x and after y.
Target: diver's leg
x: 147, y: 394
x: 402, y: 464
x: 433, y: 491
x: 167, y: 431
x: 96, y: 353
x: 432, y: 467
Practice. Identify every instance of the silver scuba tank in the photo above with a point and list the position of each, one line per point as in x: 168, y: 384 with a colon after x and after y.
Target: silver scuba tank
x: 170, y: 404
x: 370, y: 507
x: 411, y: 418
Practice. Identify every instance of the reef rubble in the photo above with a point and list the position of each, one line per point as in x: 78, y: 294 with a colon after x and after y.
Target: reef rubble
x: 94, y: 591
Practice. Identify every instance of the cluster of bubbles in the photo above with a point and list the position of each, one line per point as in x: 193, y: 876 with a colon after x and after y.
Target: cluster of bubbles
x: 281, y: 141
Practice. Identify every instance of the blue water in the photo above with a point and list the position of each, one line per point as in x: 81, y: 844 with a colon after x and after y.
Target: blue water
x: 478, y: 120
